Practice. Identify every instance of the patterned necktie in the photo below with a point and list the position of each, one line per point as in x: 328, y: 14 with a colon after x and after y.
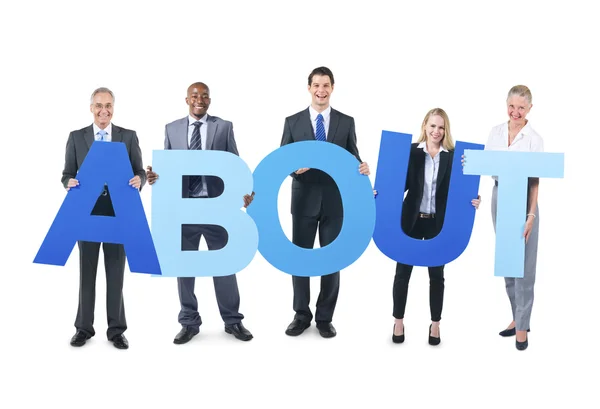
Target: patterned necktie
x: 320, y: 134
x: 196, y: 144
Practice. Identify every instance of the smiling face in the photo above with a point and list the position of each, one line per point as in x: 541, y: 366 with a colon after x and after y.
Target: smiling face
x: 102, y: 108
x: 320, y: 90
x: 435, y: 129
x: 198, y: 100
x: 517, y: 108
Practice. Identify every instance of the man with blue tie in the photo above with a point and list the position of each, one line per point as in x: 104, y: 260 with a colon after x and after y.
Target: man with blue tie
x: 198, y: 130
x: 316, y: 200
x: 79, y: 142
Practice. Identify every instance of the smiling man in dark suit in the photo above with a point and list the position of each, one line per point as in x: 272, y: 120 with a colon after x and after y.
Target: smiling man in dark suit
x: 78, y: 145
x: 316, y: 200
x: 201, y: 131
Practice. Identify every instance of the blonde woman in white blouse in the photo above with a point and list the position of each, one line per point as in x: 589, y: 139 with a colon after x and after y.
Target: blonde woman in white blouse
x: 517, y: 135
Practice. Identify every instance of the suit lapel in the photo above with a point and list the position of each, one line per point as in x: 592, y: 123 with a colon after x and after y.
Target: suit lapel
x: 308, y: 133
x: 88, y: 135
x: 116, y: 136
x: 334, y: 120
x: 444, y: 158
x: 211, y: 131
x: 421, y: 172
x: 181, y: 133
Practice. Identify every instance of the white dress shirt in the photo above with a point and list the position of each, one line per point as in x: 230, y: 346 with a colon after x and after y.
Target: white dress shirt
x: 203, y: 133
x: 326, y: 119
x: 432, y: 166
x: 108, y: 129
x: 527, y: 140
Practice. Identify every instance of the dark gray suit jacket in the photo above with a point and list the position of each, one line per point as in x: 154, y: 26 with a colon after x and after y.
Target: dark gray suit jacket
x: 78, y: 145
x: 315, y: 188
x: 219, y: 137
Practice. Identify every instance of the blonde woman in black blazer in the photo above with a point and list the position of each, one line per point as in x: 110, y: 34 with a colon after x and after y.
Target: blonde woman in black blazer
x: 423, y: 211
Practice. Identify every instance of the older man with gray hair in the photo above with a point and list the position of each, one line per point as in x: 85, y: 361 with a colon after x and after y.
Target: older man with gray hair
x: 79, y: 142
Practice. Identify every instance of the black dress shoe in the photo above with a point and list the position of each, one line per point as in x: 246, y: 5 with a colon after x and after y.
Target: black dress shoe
x: 397, y: 339
x: 297, y: 327
x: 522, y: 346
x: 509, y: 332
x: 434, y: 340
x: 120, y: 342
x: 185, y: 335
x: 79, y: 339
x: 326, y: 329
x: 239, y: 331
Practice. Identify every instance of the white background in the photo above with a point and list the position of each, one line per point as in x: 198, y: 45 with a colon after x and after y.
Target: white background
x: 392, y: 63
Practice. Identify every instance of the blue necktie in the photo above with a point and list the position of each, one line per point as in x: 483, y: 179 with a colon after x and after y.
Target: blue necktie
x: 102, y: 134
x: 320, y: 134
x: 196, y: 144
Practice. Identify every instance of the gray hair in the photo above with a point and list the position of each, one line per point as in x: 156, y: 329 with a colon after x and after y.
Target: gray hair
x: 520, y: 91
x: 101, y: 90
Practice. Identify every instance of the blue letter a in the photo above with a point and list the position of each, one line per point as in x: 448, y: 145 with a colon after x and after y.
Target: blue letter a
x: 448, y: 245
x: 105, y: 163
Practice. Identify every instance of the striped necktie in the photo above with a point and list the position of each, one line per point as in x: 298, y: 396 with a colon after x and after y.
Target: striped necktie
x: 320, y: 133
x: 196, y: 144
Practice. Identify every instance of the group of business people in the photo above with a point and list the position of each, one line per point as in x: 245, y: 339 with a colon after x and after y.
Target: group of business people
x: 316, y: 207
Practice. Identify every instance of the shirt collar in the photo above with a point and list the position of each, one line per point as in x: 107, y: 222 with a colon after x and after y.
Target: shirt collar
x: 191, y: 120
x: 313, y: 113
x: 525, y: 130
x: 423, y: 145
x: 108, y: 129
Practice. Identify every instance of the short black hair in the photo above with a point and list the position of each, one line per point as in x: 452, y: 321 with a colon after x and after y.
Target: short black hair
x: 199, y: 84
x: 321, y: 71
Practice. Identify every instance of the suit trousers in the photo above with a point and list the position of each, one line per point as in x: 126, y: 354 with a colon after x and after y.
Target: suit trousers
x: 226, y: 288
x: 304, y: 231
x: 114, y: 263
x: 520, y: 290
x: 423, y: 229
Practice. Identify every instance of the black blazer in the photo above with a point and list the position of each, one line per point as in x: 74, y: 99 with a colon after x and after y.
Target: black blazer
x: 415, y: 183
x: 315, y: 189
x: 79, y: 144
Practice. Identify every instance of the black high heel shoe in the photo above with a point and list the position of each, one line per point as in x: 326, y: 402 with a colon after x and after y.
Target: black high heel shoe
x: 509, y: 332
x: 434, y: 340
x: 397, y: 339
x: 522, y: 346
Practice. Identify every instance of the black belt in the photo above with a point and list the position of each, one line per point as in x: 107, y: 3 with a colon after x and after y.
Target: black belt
x: 427, y: 215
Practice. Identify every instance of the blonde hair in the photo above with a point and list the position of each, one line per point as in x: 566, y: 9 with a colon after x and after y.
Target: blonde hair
x: 447, y: 142
x: 520, y: 91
